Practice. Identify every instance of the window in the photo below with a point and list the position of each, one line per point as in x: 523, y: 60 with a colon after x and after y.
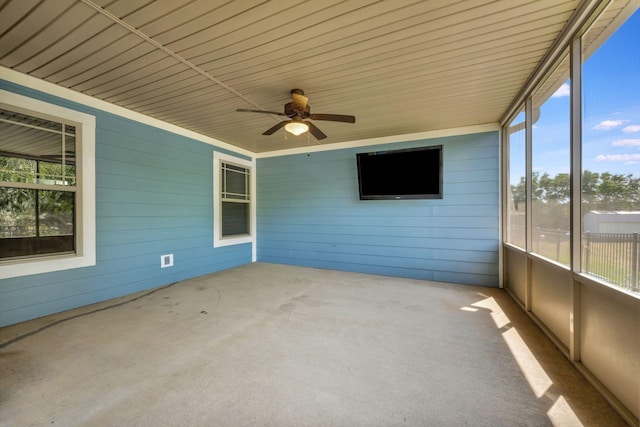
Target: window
x: 516, y: 186
x: 551, y: 162
x: 232, y: 200
x: 37, y: 185
x: 611, y: 154
x: 47, y: 201
x: 235, y: 200
x: 606, y: 229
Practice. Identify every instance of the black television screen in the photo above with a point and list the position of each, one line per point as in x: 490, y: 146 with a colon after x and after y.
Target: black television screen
x: 414, y: 173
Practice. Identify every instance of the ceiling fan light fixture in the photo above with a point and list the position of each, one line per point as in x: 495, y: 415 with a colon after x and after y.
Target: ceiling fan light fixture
x: 296, y: 128
x: 296, y: 111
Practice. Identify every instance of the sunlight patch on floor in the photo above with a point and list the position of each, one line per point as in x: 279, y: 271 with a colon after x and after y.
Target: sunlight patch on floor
x: 538, y: 379
x: 560, y: 413
x: 499, y: 318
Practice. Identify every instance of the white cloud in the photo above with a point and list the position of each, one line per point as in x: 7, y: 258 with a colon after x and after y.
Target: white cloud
x: 608, y: 124
x: 626, y: 143
x: 631, y: 129
x: 563, y: 90
x: 618, y: 158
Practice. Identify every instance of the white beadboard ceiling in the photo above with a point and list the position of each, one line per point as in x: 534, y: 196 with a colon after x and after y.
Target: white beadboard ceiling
x: 399, y: 66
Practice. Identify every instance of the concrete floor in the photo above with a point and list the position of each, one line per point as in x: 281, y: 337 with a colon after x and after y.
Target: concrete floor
x: 278, y: 345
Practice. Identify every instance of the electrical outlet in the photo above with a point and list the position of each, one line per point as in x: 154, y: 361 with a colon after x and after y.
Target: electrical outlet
x: 166, y: 260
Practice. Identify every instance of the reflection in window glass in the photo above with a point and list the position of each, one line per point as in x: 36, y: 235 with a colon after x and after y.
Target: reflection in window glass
x: 235, y: 206
x: 17, y: 212
x: 55, y: 212
x: 611, y: 154
x: 37, y: 185
x: 516, y: 197
x: 551, y: 161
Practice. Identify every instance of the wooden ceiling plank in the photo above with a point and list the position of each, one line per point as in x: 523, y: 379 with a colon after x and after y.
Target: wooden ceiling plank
x: 214, y: 18
x: 138, y: 80
x: 31, y: 24
x: 413, y: 31
x: 284, y: 27
x: 334, y: 33
x: 375, y: 47
x: 448, y: 64
x: 126, y: 73
x: 440, y: 69
x: 46, y: 37
x: 162, y: 96
x: 367, y: 65
x: 461, y: 54
x: 78, y: 53
x: 94, y: 62
x: 13, y: 13
x: 185, y: 106
x: 182, y: 16
x: 82, y: 32
x: 138, y: 12
x: 163, y: 78
x: 99, y: 72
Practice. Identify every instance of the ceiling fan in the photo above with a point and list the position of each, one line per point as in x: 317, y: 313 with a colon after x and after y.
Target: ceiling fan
x: 297, y: 111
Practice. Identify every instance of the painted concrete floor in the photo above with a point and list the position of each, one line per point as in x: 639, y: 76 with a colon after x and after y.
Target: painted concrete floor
x: 276, y: 345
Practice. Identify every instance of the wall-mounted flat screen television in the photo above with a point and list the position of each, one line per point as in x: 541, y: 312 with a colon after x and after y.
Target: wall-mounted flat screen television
x: 414, y: 173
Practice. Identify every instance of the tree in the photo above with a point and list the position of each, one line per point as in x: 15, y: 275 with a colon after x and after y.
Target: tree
x: 600, y: 191
x: 20, y: 206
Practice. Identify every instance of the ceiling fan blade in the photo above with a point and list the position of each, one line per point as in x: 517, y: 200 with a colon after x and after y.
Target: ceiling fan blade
x: 272, y: 130
x: 299, y: 102
x: 245, y: 110
x: 333, y: 117
x: 317, y: 133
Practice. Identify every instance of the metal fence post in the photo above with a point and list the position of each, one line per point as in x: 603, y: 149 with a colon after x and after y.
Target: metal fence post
x: 587, y: 251
x: 634, y: 261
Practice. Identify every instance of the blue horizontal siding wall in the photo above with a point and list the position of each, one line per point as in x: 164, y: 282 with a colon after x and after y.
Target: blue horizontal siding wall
x: 309, y: 214
x: 154, y: 194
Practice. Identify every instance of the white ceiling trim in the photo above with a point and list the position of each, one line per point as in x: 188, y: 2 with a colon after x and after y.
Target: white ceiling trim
x: 89, y: 101
x: 441, y: 133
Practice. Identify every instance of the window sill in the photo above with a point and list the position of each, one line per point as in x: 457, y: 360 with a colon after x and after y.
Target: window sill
x: 229, y: 241
x: 18, y: 267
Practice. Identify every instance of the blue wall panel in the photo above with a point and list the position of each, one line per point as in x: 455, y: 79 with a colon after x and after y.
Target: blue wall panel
x: 154, y: 194
x: 309, y: 214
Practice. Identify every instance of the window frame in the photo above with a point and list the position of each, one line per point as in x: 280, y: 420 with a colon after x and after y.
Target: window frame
x: 534, y: 140
x: 85, y: 221
x: 509, y: 237
x: 218, y: 240
x: 571, y: 45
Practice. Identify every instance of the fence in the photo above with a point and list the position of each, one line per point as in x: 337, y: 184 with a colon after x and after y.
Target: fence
x: 7, y: 231
x: 553, y: 244
x: 613, y: 257
x: 17, y: 231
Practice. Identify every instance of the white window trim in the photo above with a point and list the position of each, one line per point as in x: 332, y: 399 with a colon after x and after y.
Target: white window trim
x: 218, y: 240
x: 85, y: 255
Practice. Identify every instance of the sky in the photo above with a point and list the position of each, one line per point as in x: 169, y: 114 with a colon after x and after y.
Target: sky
x: 611, y: 113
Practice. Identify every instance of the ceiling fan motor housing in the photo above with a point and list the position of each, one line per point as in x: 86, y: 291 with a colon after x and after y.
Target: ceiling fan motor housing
x: 289, y: 110
x: 297, y: 110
